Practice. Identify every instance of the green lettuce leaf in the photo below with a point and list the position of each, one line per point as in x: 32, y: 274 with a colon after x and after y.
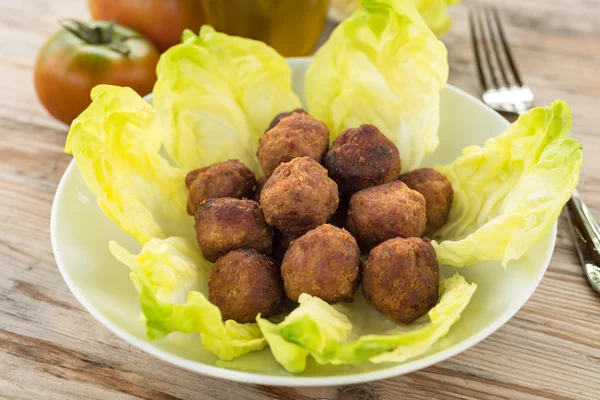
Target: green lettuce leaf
x: 385, y: 67
x: 290, y: 355
x: 318, y: 329
x: 115, y: 142
x: 510, y: 192
x: 217, y: 94
x: 171, y: 277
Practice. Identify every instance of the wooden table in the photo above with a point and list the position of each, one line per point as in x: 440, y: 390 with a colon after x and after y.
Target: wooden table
x: 50, y: 348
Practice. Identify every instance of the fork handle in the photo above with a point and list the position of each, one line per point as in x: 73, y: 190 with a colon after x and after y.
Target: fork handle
x: 586, y: 234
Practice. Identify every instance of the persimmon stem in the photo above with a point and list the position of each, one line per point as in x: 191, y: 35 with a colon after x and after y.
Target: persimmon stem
x: 98, y: 36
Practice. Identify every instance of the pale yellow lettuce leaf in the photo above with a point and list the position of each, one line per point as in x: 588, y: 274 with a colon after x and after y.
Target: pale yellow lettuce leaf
x: 385, y: 67
x: 434, y: 12
x: 510, y: 192
x: 171, y: 277
x: 115, y: 142
x: 217, y: 94
x: 316, y: 328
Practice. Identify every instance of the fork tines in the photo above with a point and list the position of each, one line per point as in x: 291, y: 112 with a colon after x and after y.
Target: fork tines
x: 496, y: 68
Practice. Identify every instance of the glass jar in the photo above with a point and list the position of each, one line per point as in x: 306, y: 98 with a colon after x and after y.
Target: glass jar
x: 292, y: 27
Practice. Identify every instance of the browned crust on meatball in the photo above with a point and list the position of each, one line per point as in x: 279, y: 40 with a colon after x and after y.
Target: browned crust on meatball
x: 227, y: 179
x: 281, y: 242
x: 299, y: 196
x: 298, y: 135
x: 245, y: 283
x: 438, y: 194
x: 226, y: 224
x: 401, y: 279
x: 383, y: 212
x: 325, y: 262
x: 282, y: 115
x: 362, y: 157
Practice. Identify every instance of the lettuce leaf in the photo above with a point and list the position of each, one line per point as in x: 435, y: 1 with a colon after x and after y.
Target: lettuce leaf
x: 314, y: 327
x: 171, y: 277
x: 290, y: 355
x: 385, y: 67
x: 435, y: 14
x: 115, y: 142
x: 217, y: 94
x: 510, y: 192
x: 318, y: 329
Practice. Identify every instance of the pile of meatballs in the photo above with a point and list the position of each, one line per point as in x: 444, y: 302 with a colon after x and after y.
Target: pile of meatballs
x: 322, y: 221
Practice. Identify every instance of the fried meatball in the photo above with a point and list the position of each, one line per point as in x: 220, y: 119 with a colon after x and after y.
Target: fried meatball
x: 298, y: 135
x: 438, y: 194
x: 259, y: 186
x: 299, y: 196
x: 401, y: 279
x: 226, y: 224
x: 282, y: 115
x: 227, y: 179
x: 325, y: 262
x: 281, y: 242
x: 383, y: 212
x: 244, y: 283
x: 362, y: 157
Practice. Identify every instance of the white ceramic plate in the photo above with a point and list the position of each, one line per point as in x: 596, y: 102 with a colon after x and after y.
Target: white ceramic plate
x: 80, y: 235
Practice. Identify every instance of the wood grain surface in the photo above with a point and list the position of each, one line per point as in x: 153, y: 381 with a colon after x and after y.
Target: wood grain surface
x: 50, y: 348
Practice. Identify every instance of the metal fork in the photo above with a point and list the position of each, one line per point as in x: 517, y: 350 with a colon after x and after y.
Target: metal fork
x: 504, y: 90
